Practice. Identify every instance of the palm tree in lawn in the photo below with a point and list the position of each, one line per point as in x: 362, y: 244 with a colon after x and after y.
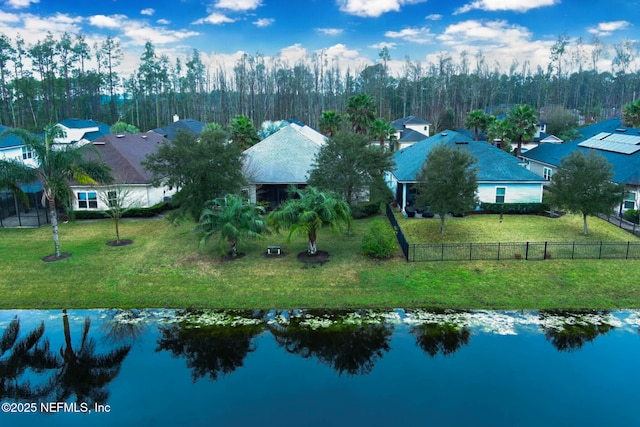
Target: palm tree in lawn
x: 233, y: 218
x: 524, y: 121
x: 631, y: 114
x: 361, y: 112
x: 243, y: 132
x: 57, y: 167
x: 85, y: 374
x: 382, y: 131
x: 477, y: 121
x: 330, y: 123
x: 12, y: 173
x: 307, y: 211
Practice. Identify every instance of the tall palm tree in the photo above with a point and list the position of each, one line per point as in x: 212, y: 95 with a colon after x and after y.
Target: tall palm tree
x: 361, y: 112
x: 233, y: 218
x: 330, y: 123
x: 84, y: 373
x: 524, y: 121
x: 12, y: 173
x: 477, y: 121
x: 243, y: 132
x: 382, y: 131
x: 631, y: 114
x: 307, y: 211
x: 58, y: 165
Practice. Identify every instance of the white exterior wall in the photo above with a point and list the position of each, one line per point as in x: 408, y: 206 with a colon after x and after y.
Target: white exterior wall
x: 75, y: 134
x: 423, y: 129
x: 515, y: 193
x: 140, y: 196
x: 15, y: 153
x: 538, y: 168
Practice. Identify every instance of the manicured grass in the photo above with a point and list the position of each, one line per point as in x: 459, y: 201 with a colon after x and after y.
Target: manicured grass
x: 165, y: 267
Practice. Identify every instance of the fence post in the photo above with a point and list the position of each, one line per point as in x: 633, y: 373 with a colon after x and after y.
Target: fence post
x: 600, y: 254
x: 526, y: 252
x: 545, y: 251
x: 573, y: 250
x: 627, y: 255
x: 442, y: 252
x: 470, y: 251
x: 498, y: 251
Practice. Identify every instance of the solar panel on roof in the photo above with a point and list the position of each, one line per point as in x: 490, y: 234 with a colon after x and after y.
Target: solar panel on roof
x: 623, y: 144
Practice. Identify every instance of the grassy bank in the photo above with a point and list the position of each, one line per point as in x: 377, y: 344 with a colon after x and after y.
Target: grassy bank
x: 165, y: 267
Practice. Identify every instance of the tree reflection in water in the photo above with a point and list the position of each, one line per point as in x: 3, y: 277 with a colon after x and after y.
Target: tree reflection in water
x: 570, y: 330
x: 124, y: 326
x: 18, y: 356
x: 211, y: 347
x: 83, y: 373
x: 335, y: 339
x: 441, y: 338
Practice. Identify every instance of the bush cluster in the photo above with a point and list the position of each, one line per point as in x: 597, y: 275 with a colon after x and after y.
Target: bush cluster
x: 515, y: 208
x: 365, y: 210
x: 632, y: 215
x: 380, y: 241
x: 131, y: 213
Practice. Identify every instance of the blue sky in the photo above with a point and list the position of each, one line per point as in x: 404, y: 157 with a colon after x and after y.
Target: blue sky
x: 348, y: 32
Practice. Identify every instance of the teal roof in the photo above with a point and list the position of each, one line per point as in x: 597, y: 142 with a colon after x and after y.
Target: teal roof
x: 493, y: 164
x: 9, y: 141
x: 626, y: 167
x: 103, y: 129
x: 183, y: 125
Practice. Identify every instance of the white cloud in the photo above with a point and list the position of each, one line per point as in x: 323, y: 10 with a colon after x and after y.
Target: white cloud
x: 330, y: 31
x: 414, y: 35
x: 238, y: 5
x: 606, y: 28
x: 504, y: 5
x: 148, y: 11
x: 103, y: 21
x: 382, y: 45
x: 433, y: 17
x: 373, y: 8
x: 20, y: 4
x: 58, y: 24
x: 263, y: 22
x: 493, y: 32
x: 139, y: 34
x: 215, y: 19
x: 163, y: 21
x: 9, y: 17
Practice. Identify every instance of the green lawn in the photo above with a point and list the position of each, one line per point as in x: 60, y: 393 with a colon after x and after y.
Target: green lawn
x: 165, y: 267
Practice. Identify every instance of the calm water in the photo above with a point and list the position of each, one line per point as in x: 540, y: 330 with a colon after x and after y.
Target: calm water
x: 400, y: 368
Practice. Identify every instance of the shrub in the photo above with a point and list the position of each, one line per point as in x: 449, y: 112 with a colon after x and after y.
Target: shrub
x: 364, y: 210
x: 515, y: 208
x: 131, y: 213
x: 380, y: 241
x: 632, y: 215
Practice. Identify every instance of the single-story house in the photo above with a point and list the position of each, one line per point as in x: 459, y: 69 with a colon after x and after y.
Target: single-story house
x: 124, y: 153
x: 282, y: 159
x: 501, y: 176
x: 409, y: 130
x: 180, y: 125
x: 82, y: 131
x: 620, y: 145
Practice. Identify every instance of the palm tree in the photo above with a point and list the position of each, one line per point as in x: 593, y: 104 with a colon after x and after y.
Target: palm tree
x: 631, y: 114
x: 243, y: 132
x: 361, y: 112
x: 478, y: 121
x: 382, y: 131
x: 84, y: 373
x: 57, y: 167
x: 12, y: 173
x: 330, y: 123
x: 307, y: 211
x: 500, y: 130
x: 234, y: 218
x: 524, y: 121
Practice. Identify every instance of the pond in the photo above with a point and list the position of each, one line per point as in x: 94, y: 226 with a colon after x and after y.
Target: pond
x: 308, y: 368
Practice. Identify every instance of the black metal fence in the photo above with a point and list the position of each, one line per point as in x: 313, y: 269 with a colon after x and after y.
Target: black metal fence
x: 619, y: 221
x: 417, y: 252
x: 404, y: 245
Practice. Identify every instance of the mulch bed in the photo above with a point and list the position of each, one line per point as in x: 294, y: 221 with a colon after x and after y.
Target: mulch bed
x: 53, y: 257
x: 320, y: 257
x: 123, y: 242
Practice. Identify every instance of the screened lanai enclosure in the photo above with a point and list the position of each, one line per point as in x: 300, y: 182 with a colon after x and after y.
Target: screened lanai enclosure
x: 14, y: 212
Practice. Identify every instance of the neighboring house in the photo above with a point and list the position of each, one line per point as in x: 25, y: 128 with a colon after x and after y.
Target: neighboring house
x: 501, y: 178
x: 13, y: 148
x: 124, y: 153
x: 282, y: 159
x: 620, y: 145
x: 180, y: 125
x: 81, y: 131
x: 410, y: 130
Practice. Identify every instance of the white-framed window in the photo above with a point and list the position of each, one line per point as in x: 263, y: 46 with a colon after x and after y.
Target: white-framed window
x: 629, y: 200
x: 546, y: 173
x: 500, y: 193
x: 27, y: 153
x: 112, y: 198
x: 87, y: 200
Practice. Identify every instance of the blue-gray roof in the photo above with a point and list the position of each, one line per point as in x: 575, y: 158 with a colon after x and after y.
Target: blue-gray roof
x: 400, y: 124
x: 185, y: 125
x: 493, y: 164
x: 626, y: 166
x: 9, y: 140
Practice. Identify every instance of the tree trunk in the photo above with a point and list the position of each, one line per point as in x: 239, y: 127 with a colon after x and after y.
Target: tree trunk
x: 441, y: 224
x: 54, y: 225
x: 117, y: 221
x: 312, y: 247
x: 234, y: 248
x: 584, y: 220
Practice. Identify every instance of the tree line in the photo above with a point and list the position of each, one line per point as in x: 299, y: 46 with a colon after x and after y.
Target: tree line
x: 54, y: 79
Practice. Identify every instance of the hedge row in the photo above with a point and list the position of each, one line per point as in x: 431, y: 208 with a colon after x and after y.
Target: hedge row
x: 131, y: 213
x: 515, y: 208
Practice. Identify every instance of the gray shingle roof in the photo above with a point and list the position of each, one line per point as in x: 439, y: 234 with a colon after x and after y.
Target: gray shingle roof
x: 284, y: 157
x: 185, y: 125
x: 494, y: 165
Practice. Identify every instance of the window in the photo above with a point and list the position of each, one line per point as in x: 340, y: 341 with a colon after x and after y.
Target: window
x: 26, y: 153
x: 629, y: 200
x: 546, y: 173
x: 112, y: 198
x: 500, y: 193
x: 87, y: 200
